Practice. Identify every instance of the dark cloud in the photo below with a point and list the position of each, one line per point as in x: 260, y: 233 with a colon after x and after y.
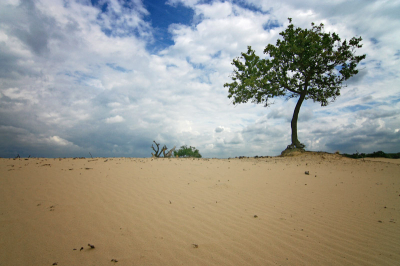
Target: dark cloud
x: 371, y: 131
x: 29, y: 25
x: 374, y: 114
x: 11, y: 66
x: 366, y: 99
x: 219, y: 129
x: 233, y: 139
x: 354, y: 80
x: 363, y: 141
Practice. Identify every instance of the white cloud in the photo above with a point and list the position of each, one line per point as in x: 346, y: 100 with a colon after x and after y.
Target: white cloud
x: 189, y: 3
x: 114, y: 104
x: 217, y: 10
x: 58, y: 141
x: 115, y: 119
x: 222, y: 34
x: 17, y: 94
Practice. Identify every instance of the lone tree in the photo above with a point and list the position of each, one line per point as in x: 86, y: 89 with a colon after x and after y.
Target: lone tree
x: 306, y: 64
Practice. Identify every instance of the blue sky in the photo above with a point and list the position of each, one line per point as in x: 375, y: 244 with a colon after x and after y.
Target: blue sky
x: 161, y: 16
x: 110, y: 76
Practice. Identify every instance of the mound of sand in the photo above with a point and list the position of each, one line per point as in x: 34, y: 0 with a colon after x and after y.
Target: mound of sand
x: 264, y: 211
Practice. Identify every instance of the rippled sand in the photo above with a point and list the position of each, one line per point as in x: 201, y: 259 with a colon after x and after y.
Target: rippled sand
x: 264, y: 211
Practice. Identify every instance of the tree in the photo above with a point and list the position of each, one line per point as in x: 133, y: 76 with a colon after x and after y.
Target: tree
x: 306, y: 64
x: 157, y: 153
x: 186, y: 151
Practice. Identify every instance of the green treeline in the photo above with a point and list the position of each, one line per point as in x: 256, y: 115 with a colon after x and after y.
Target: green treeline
x: 375, y: 154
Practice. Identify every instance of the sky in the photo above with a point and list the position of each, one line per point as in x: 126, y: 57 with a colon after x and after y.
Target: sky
x: 108, y: 77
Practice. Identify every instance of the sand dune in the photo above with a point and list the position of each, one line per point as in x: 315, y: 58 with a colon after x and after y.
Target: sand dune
x: 264, y: 211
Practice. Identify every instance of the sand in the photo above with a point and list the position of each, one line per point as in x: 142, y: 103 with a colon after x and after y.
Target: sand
x: 263, y: 211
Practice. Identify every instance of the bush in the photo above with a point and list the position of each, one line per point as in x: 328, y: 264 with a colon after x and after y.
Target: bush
x: 186, y: 151
x: 376, y: 154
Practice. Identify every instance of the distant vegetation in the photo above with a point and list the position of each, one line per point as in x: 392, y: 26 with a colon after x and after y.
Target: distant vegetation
x: 186, y: 151
x: 375, y: 154
x: 157, y: 153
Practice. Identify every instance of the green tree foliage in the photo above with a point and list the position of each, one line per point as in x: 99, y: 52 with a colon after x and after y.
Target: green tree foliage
x: 305, y: 64
x: 186, y: 151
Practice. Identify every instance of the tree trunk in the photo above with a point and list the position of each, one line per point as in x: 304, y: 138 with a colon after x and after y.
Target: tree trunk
x: 295, y: 141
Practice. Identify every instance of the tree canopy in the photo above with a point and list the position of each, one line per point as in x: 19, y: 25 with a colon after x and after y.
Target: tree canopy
x: 305, y: 64
x: 186, y: 151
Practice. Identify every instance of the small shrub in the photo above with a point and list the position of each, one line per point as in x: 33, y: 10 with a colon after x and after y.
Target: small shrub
x: 186, y: 151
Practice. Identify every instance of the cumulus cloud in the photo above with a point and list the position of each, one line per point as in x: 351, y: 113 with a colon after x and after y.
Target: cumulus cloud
x: 115, y: 119
x: 58, y: 141
x: 237, y: 139
x: 219, y: 129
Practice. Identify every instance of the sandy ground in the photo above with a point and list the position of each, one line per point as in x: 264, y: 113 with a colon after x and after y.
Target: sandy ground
x: 263, y: 211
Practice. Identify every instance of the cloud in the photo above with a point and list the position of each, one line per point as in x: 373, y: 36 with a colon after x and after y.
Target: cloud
x: 115, y: 119
x: 219, y: 129
x: 15, y: 94
x: 237, y: 139
x: 124, y: 18
x: 217, y: 10
x: 56, y: 140
x: 376, y: 114
x: 33, y: 30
